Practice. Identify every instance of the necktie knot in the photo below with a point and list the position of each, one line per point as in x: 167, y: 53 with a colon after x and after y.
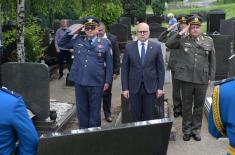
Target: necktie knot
x: 90, y: 41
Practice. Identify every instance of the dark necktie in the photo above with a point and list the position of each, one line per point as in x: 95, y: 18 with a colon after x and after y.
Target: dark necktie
x: 90, y: 41
x: 142, y: 53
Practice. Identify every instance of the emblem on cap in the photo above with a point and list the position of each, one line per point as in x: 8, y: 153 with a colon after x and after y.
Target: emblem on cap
x: 90, y: 20
x: 196, y: 19
x: 183, y: 18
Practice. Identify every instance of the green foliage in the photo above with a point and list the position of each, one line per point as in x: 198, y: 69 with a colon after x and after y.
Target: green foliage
x: 9, y: 38
x: 134, y: 8
x: 33, y: 41
x: 108, y: 13
x: 158, y: 7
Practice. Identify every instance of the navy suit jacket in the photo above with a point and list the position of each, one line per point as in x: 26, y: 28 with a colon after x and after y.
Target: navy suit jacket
x: 152, y: 73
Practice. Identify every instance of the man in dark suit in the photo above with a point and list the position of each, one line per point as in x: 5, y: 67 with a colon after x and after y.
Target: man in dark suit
x: 142, y: 74
x: 107, y: 96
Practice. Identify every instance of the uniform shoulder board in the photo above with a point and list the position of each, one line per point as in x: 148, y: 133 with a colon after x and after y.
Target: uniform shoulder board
x: 224, y: 81
x: 207, y: 37
x: 4, y: 89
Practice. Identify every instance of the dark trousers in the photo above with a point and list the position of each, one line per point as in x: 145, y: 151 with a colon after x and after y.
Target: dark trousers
x: 176, y: 93
x: 107, y: 97
x: 193, y: 97
x: 63, y: 55
x: 142, y: 105
x: 88, y: 101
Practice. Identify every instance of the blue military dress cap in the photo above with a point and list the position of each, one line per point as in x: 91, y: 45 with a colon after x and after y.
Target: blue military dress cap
x: 194, y: 20
x: 91, y: 21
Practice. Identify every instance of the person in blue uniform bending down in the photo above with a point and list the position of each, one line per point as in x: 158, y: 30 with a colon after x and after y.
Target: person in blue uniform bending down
x: 92, y: 69
x: 15, y: 126
x: 221, y: 120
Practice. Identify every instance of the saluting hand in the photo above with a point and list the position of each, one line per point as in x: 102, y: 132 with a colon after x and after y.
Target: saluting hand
x: 172, y: 27
x: 185, y: 31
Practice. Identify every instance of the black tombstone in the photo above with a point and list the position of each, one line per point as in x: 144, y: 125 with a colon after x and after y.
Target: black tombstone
x: 1, y: 53
x: 155, y: 30
x: 120, y: 31
x: 158, y: 111
x: 139, y: 138
x: 154, y: 19
x: 213, y: 20
x: 223, y: 47
x: 31, y: 80
x: 126, y: 21
x: 227, y: 27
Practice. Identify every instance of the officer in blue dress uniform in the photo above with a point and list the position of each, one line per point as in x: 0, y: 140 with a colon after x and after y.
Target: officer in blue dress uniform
x: 92, y: 70
x: 221, y: 120
x: 15, y: 125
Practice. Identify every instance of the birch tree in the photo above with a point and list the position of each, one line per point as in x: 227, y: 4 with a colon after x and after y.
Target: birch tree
x: 20, y: 31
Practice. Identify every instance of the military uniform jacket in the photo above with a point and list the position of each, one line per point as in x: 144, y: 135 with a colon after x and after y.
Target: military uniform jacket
x: 196, y: 62
x: 174, y: 55
x: 221, y: 119
x: 15, y: 124
x: 93, y: 64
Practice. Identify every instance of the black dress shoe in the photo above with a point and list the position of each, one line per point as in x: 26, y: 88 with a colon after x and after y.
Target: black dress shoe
x: 177, y: 114
x: 109, y: 119
x: 60, y: 76
x: 186, y: 137
x: 196, y: 137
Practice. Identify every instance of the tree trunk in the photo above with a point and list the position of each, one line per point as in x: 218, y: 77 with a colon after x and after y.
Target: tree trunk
x: 20, y: 30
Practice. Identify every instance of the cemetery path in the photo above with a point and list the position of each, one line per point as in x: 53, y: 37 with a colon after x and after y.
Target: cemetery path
x: 207, y: 146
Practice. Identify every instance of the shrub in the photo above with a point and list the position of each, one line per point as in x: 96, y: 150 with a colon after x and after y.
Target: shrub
x: 108, y: 13
x: 33, y: 42
x: 158, y: 7
x: 134, y: 9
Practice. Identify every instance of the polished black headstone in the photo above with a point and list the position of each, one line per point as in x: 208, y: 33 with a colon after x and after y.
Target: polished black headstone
x: 155, y: 30
x: 222, y: 44
x: 158, y: 111
x: 31, y: 80
x: 227, y: 27
x: 126, y: 21
x: 154, y: 19
x: 140, y: 138
x: 213, y: 20
x: 121, y: 32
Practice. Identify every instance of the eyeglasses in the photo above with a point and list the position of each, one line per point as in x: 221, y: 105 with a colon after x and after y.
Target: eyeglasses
x: 87, y: 28
x: 142, y: 32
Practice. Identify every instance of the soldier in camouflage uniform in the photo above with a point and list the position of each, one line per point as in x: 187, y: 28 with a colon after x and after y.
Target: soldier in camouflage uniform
x: 174, y: 56
x: 195, y: 69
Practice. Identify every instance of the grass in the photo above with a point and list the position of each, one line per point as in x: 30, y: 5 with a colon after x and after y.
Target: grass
x: 228, y: 8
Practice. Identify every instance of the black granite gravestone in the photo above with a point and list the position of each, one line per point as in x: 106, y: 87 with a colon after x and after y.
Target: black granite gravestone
x: 139, y: 138
x: 126, y: 21
x: 227, y: 27
x: 1, y: 53
x: 213, y: 20
x: 120, y: 31
x: 155, y: 30
x: 154, y: 19
x: 223, y: 47
x: 31, y: 80
x: 158, y: 111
